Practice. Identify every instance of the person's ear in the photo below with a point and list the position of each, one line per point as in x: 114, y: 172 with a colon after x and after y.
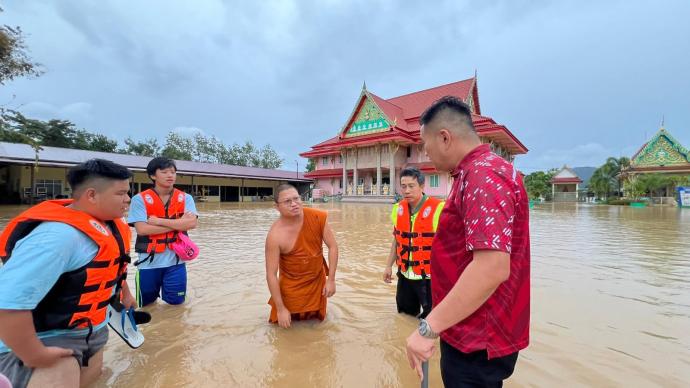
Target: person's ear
x: 90, y: 194
x: 445, y: 138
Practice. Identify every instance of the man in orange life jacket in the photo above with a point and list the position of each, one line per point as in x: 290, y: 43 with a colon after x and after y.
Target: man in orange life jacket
x: 158, y: 215
x: 414, y: 225
x: 64, y: 262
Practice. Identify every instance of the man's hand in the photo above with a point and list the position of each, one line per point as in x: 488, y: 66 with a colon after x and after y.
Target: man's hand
x: 153, y: 220
x: 284, y: 318
x: 188, y: 216
x: 329, y: 288
x: 388, y: 275
x: 419, y: 349
x: 128, y: 300
x: 47, y: 356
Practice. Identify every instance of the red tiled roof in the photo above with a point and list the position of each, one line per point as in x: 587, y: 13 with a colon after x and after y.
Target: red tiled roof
x: 405, y: 111
x: 414, y: 104
x: 392, y: 111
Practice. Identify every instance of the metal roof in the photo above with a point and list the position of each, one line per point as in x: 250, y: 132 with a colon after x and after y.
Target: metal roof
x: 65, y: 157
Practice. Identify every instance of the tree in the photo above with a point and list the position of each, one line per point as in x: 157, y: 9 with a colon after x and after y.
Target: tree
x: 269, y: 158
x: 601, y: 183
x: 99, y: 142
x: 17, y: 128
x: 177, y: 147
x: 538, y: 184
x: 149, y: 147
x: 652, y: 184
x: 607, y: 179
x: 14, y: 60
x: 311, y: 165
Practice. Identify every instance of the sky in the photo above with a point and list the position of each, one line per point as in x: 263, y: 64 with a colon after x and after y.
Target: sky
x: 575, y: 81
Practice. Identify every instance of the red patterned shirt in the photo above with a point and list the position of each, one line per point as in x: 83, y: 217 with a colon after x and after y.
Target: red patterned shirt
x: 487, y: 208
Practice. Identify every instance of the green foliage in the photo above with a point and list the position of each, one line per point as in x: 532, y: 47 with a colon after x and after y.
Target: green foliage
x: 653, y: 184
x: 538, y: 184
x: 177, y: 147
x: 311, y: 165
x: 17, y: 128
x: 14, y: 61
x: 148, y: 147
x: 606, y: 180
x: 209, y: 149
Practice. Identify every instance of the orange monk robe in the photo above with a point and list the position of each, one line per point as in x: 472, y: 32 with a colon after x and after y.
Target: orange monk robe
x: 302, y: 272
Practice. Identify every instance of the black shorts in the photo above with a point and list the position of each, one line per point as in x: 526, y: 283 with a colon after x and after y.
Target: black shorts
x: 413, y: 296
x: 474, y: 369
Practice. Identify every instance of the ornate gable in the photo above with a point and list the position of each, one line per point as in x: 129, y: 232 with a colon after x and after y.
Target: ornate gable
x: 662, y: 150
x: 367, y: 118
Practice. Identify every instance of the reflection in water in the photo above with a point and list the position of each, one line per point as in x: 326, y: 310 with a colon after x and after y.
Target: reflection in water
x: 610, y: 306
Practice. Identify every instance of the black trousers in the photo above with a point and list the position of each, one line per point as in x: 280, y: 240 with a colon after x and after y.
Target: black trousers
x: 413, y: 296
x: 474, y: 369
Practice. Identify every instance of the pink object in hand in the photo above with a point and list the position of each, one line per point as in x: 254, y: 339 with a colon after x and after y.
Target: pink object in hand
x: 184, y: 248
x: 4, y: 382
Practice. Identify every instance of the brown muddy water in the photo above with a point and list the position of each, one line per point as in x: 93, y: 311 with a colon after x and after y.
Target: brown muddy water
x: 610, y: 307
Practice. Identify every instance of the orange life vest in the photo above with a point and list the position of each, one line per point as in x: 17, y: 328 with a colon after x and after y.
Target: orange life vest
x: 79, y: 298
x: 173, y: 209
x: 415, y: 238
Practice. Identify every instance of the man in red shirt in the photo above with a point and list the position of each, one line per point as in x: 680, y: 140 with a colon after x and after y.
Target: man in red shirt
x: 480, y: 257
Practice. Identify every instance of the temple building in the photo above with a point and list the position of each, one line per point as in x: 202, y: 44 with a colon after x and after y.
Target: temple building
x: 565, y: 185
x: 663, y: 154
x: 362, y: 162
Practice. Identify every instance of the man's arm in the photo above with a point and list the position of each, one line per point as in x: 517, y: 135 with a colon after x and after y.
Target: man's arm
x: 392, y: 256
x: 187, y: 222
x: 332, y: 244
x: 272, y: 266
x: 18, y: 332
x: 37, y: 262
x: 143, y: 228
x: 487, y: 270
x: 126, y: 298
x: 156, y: 225
x: 490, y: 265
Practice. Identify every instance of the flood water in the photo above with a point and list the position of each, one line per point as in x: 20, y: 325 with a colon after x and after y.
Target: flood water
x: 610, y: 307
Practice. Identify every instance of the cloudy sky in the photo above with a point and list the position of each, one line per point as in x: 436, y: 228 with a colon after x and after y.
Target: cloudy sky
x: 576, y: 81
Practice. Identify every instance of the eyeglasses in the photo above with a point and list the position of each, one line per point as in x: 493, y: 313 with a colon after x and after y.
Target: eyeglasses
x: 290, y: 201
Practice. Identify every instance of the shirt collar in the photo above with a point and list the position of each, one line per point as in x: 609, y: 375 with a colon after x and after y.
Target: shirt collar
x: 472, y: 155
x: 419, y: 205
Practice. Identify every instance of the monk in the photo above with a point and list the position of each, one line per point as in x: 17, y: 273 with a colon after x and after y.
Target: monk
x: 294, y: 247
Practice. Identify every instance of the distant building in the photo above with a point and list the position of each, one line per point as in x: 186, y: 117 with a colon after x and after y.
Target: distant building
x: 381, y: 137
x: 663, y: 155
x: 565, y: 185
x: 20, y: 165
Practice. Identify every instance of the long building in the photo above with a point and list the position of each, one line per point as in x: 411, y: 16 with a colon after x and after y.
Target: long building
x: 20, y: 165
x: 380, y: 137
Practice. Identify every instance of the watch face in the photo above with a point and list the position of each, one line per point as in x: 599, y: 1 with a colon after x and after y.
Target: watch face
x: 423, y: 328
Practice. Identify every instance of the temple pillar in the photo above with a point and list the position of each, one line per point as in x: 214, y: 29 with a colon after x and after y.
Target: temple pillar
x: 378, y: 169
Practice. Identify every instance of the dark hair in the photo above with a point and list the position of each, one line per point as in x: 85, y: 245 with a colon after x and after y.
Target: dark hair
x: 159, y: 163
x: 282, y: 187
x: 414, y: 173
x: 448, y: 103
x: 96, y: 168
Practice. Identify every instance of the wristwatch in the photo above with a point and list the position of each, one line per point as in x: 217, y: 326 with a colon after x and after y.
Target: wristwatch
x: 425, y: 330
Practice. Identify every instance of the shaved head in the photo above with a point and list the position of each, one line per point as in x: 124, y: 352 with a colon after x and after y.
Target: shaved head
x: 449, y: 113
x: 447, y: 132
x: 97, y: 174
